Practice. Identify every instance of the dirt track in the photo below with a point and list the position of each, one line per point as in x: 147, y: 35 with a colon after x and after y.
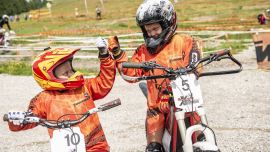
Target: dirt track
x: 237, y: 107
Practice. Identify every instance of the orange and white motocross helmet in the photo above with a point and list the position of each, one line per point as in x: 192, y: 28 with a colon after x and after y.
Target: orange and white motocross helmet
x: 44, y: 65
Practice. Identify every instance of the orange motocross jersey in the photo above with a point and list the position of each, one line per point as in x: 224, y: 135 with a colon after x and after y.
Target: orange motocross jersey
x: 51, y: 105
x: 179, y: 52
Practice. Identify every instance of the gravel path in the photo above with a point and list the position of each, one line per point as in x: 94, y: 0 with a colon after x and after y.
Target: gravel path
x: 237, y: 107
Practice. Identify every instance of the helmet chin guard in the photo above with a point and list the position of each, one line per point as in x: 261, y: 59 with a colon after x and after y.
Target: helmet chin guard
x: 153, y: 44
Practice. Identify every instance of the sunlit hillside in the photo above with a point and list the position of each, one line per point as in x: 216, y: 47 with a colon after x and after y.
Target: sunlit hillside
x: 118, y: 16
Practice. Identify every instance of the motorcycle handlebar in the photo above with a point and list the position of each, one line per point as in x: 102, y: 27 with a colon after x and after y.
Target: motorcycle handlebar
x: 68, y: 123
x: 5, y: 117
x: 223, y: 52
x: 133, y: 65
x: 212, y: 57
x: 219, y: 56
x: 110, y: 105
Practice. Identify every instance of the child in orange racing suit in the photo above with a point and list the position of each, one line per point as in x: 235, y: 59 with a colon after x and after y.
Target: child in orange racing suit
x: 157, y: 20
x: 66, y: 91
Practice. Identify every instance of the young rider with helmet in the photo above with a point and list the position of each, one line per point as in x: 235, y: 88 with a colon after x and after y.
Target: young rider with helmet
x: 5, y: 20
x: 157, y: 20
x: 3, y: 37
x: 66, y: 91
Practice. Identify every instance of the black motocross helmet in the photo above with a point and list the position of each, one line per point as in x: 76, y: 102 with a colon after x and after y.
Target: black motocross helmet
x: 157, y: 11
x: 5, y: 18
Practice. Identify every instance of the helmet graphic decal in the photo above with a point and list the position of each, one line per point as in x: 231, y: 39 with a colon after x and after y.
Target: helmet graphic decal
x: 44, y: 65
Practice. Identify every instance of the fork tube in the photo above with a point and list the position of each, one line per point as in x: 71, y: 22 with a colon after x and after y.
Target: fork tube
x: 202, y: 114
x: 171, y: 119
x: 180, y: 116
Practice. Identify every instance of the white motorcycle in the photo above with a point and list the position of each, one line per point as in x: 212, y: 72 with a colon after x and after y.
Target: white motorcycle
x: 185, y: 99
x: 5, y: 38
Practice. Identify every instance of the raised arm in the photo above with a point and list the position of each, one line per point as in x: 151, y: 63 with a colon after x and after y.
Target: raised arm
x: 101, y: 85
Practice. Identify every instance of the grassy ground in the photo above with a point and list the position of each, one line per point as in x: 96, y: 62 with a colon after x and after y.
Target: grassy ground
x: 118, y: 17
x: 23, y: 67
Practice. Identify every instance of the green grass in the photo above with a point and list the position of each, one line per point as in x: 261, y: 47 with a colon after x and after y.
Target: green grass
x: 67, y: 43
x: 18, y: 41
x: 25, y: 68
x: 235, y: 46
x: 240, y: 36
x: 15, y: 68
x: 118, y: 16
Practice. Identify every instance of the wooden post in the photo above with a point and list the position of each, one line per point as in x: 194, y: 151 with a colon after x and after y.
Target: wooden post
x: 262, y: 47
x: 103, y: 9
x: 86, y: 7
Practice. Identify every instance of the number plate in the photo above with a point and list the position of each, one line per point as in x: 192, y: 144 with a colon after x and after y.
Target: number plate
x: 68, y: 140
x: 185, y: 90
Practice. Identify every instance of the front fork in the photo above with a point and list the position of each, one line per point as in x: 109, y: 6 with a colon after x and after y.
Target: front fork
x: 180, y: 118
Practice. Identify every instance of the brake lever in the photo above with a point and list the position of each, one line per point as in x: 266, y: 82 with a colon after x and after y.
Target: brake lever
x: 151, y: 64
x: 215, y: 57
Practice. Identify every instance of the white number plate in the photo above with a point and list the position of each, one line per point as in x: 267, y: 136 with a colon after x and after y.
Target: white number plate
x: 186, y: 90
x: 67, y: 140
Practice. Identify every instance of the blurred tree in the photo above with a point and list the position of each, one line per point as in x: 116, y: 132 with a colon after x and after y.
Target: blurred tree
x: 12, y: 7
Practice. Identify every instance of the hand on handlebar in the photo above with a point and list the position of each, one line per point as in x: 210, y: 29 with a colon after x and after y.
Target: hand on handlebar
x: 16, y: 117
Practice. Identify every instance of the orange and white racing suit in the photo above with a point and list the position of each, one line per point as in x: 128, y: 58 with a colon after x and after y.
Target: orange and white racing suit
x: 51, y: 105
x: 179, y: 52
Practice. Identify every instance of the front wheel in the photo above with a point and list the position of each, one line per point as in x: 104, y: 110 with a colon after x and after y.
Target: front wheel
x: 205, y: 147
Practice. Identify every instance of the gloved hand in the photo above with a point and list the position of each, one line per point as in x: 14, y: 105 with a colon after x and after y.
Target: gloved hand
x: 114, y: 46
x: 16, y: 117
x: 102, y: 46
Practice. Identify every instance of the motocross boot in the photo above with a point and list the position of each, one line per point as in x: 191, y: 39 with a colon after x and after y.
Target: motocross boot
x: 154, y: 147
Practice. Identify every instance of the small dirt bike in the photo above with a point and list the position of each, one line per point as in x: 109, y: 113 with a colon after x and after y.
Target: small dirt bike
x: 5, y: 40
x: 185, y: 100
x: 72, y: 137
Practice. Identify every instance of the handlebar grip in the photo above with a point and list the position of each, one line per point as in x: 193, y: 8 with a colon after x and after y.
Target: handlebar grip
x: 223, y: 52
x: 5, y: 117
x: 218, y: 56
x: 110, y: 105
x: 133, y: 65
